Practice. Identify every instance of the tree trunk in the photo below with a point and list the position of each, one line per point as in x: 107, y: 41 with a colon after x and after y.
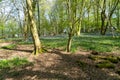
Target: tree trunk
x: 104, y: 25
x: 26, y: 29
x: 103, y: 19
x: 106, y: 19
x: 38, y: 11
x: 33, y: 27
x: 80, y: 18
x: 69, y: 42
x: 97, y: 13
x: 118, y: 18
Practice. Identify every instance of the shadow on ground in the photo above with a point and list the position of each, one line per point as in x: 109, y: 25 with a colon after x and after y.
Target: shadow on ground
x: 18, y: 49
x: 63, y: 67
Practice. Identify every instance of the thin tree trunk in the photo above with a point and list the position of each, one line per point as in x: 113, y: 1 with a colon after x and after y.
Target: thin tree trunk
x: 118, y: 18
x: 70, y: 16
x: 69, y: 42
x: 26, y: 29
x: 80, y: 19
x: 20, y: 24
x: 97, y: 13
x: 38, y: 17
x: 3, y: 33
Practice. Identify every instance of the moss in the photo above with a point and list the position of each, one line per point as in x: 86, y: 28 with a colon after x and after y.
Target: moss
x: 92, y: 57
x: 112, y: 59
x: 105, y: 64
x: 95, y: 57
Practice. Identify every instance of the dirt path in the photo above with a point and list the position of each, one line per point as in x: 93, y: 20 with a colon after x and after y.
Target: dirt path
x: 5, y: 44
x: 54, y: 65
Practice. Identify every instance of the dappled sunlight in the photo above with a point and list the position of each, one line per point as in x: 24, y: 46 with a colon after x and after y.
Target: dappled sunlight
x: 59, y: 40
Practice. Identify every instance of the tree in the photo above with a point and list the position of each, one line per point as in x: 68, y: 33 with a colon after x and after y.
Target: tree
x: 106, y: 19
x: 38, y: 11
x: 31, y: 8
x: 71, y: 12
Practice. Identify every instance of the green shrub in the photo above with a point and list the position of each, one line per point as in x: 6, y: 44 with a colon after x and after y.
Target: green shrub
x: 73, y: 50
x: 4, y: 64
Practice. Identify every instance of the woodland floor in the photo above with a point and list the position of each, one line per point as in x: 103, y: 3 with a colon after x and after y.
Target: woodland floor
x: 54, y: 65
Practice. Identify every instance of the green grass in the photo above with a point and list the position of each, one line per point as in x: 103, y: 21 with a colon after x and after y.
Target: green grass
x: 25, y: 43
x: 54, y: 43
x: 100, y: 44
x: 1, y: 40
x: 97, y: 43
x: 85, y: 42
x: 11, y: 46
x: 15, y: 62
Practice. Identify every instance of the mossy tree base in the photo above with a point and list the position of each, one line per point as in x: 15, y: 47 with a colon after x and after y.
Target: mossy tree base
x: 37, y: 51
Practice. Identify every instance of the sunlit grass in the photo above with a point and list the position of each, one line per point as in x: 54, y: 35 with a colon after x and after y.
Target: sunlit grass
x: 54, y: 43
x: 25, y: 42
x: 97, y: 43
x: 15, y: 62
x: 100, y: 44
x: 10, y: 46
